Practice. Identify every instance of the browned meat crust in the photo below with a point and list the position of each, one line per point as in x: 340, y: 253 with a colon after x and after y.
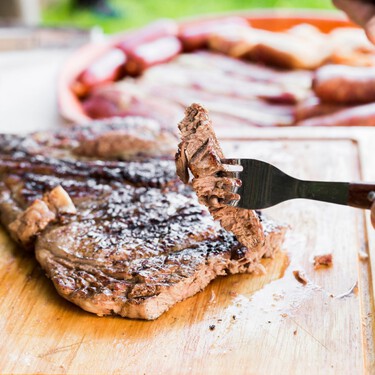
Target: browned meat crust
x: 40, y: 213
x: 300, y: 277
x: 324, y: 260
x: 360, y: 115
x: 313, y: 107
x: 301, y: 47
x: 345, y: 84
x: 127, y: 139
x: 142, y: 138
x: 200, y: 152
x: 138, y: 241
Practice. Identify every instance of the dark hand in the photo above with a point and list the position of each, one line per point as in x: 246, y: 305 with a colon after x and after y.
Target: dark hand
x: 362, y: 12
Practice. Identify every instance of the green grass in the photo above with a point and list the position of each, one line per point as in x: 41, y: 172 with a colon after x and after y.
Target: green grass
x: 139, y: 12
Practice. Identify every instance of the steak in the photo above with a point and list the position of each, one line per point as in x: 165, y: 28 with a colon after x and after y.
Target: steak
x: 200, y: 153
x: 112, y: 226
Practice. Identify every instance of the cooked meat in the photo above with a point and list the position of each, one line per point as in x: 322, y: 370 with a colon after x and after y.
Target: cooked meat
x: 115, y: 237
x: 360, y: 115
x: 155, y: 30
x: 351, y: 47
x: 128, y: 139
x: 345, y: 84
x: 302, y: 47
x: 324, y: 260
x: 126, y: 99
x: 300, y: 277
x: 152, y: 53
x: 229, y: 109
x: 180, y: 74
x: 231, y: 89
x: 225, y: 69
x: 194, y: 35
x: 143, y: 137
x: 246, y: 70
x: 200, y: 153
x: 40, y: 213
x: 108, y: 68
x: 313, y: 107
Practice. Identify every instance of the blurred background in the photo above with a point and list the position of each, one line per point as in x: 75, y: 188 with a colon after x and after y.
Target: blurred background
x: 115, y: 15
x: 37, y: 38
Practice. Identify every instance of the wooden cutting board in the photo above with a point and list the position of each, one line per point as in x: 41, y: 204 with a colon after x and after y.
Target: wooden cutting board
x: 241, y: 324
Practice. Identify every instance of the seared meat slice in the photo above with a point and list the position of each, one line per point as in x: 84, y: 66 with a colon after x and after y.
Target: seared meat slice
x: 116, y: 138
x: 115, y: 237
x: 200, y: 152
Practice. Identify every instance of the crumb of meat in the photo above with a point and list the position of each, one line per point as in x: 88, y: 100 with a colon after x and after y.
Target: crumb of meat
x: 59, y: 201
x: 199, y: 152
x: 295, y: 332
x: 234, y: 317
x: 40, y: 213
x: 300, y: 277
x: 322, y: 261
x: 31, y: 221
x: 212, y: 327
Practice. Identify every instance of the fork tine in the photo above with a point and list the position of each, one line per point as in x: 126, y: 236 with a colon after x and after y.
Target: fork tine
x: 264, y: 185
x: 233, y: 167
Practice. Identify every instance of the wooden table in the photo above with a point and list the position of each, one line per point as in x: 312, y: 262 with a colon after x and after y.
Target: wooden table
x: 268, y: 324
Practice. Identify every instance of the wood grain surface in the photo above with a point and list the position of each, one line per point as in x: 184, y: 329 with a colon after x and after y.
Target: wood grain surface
x: 241, y: 324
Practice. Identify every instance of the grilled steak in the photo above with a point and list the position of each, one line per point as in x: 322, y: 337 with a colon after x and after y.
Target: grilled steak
x: 200, y: 152
x: 116, y: 236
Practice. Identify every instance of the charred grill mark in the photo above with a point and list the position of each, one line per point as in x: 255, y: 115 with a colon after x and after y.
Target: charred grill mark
x: 153, y: 173
x: 202, y: 149
x: 160, y: 267
x: 10, y: 144
x: 137, y: 231
x: 66, y: 141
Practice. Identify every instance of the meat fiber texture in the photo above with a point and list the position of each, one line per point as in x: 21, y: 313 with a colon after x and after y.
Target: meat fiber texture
x: 200, y: 153
x: 113, y: 227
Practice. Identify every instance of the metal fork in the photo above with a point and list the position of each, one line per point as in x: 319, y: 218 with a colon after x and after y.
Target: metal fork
x: 264, y: 185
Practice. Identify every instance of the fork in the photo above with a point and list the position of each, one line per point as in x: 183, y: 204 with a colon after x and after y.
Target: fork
x: 264, y: 185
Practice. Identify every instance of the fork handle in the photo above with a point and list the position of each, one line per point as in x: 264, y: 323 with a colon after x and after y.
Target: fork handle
x: 350, y: 194
x: 360, y: 195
